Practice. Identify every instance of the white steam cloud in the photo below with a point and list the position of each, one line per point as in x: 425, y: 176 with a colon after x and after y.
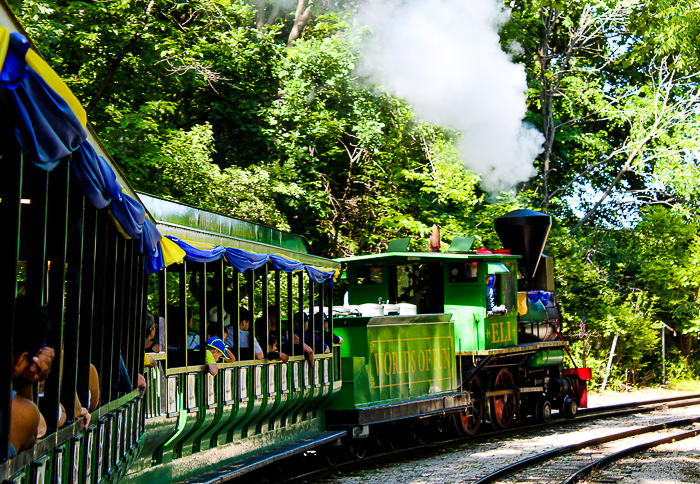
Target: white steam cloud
x: 444, y: 58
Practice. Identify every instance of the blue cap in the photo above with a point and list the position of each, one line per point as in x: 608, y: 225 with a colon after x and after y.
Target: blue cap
x: 217, y: 343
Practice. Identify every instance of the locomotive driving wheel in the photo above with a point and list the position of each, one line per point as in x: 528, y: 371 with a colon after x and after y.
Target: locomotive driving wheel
x: 468, y: 422
x: 504, y: 404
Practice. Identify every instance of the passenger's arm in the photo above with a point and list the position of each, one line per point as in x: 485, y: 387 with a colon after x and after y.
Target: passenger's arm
x: 24, y: 424
x: 81, y: 411
x: 259, y: 355
x: 141, y: 384
x: 94, y: 389
x: 149, y: 362
x: 62, y: 415
x: 40, y: 367
x: 212, y: 368
x: 41, y: 429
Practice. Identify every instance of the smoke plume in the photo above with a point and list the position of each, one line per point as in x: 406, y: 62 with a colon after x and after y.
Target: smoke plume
x: 444, y: 58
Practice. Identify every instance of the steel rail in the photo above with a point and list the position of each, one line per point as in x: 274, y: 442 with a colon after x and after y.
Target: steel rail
x: 646, y: 402
x: 607, y: 460
x: 568, y: 449
x: 617, y: 410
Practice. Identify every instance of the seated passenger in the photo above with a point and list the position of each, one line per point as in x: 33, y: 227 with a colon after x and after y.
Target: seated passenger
x: 329, y: 338
x: 272, y: 352
x: 266, y: 337
x: 491, y: 307
x: 151, y: 346
x: 241, y: 338
x: 300, y: 317
x: 31, y: 364
x: 213, y: 331
x: 273, y: 323
x: 192, y: 335
x: 321, y: 321
x: 215, y: 350
x: 120, y: 381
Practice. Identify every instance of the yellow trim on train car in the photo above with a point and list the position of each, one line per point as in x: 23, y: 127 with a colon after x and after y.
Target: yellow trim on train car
x: 172, y: 253
x: 35, y: 61
x: 4, y: 44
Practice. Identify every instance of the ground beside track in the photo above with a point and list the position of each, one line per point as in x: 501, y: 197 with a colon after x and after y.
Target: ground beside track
x: 469, y: 461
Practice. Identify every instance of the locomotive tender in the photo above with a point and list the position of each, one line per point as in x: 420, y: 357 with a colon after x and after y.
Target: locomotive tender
x: 433, y: 358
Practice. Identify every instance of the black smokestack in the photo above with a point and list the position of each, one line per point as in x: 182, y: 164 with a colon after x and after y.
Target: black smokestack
x: 524, y: 233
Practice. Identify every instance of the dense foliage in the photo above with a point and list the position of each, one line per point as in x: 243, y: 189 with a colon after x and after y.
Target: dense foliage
x: 257, y: 111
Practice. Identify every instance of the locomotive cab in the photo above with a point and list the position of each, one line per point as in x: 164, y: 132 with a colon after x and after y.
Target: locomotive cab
x: 434, y: 283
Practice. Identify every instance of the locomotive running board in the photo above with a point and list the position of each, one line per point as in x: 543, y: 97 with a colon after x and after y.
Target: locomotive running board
x: 423, y: 407
x: 524, y: 348
x: 242, y: 467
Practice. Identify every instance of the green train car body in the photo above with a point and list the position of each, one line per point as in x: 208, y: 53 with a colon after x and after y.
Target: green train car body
x: 250, y: 407
x: 194, y: 419
x: 188, y: 424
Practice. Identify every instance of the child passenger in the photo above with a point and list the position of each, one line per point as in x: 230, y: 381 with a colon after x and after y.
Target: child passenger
x: 215, y: 350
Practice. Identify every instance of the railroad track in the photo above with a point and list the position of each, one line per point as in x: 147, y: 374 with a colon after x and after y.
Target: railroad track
x: 568, y: 464
x: 388, y: 456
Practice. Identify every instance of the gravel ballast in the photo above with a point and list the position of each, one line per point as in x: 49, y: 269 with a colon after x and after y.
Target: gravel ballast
x: 672, y: 463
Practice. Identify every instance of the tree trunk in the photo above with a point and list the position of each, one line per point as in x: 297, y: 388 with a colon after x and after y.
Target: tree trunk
x: 107, y: 80
x: 301, y: 18
x: 686, y: 344
x: 260, y: 16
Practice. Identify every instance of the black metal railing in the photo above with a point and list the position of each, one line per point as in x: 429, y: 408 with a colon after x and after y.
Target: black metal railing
x: 60, y: 251
x: 193, y: 297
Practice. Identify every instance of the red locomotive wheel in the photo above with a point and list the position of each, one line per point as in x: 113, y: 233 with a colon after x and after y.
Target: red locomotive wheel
x: 502, y: 408
x: 468, y: 422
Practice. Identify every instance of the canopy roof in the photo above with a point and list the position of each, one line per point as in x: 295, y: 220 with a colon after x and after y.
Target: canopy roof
x: 425, y: 256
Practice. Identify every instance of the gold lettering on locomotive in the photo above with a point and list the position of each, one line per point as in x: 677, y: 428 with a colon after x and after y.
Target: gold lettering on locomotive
x: 389, y: 363
x: 446, y: 357
x: 501, y: 334
x: 387, y: 366
x: 394, y: 362
x: 494, y: 332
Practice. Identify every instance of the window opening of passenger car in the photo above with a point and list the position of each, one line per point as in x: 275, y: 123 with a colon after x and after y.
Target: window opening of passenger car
x: 262, y: 338
x: 218, y: 283
x: 250, y: 283
x: 300, y: 296
x: 56, y: 214
x: 203, y: 313
x: 182, y: 313
x: 11, y: 186
x: 87, y: 281
x: 163, y: 311
x: 277, y: 308
x: 319, y: 329
x: 290, y: 311
x: 312, y: 318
